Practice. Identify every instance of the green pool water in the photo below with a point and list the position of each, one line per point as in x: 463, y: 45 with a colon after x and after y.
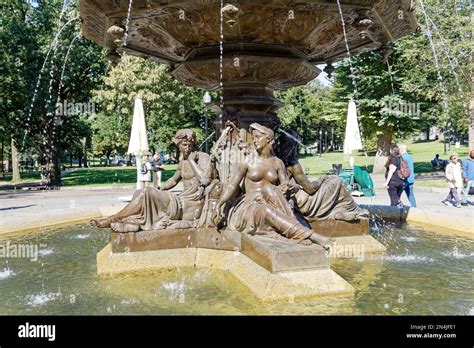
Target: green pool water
x: 423, y: 272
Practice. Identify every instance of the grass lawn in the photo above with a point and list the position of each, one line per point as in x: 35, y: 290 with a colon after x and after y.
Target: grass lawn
x: 101, y: 176
x: 422, y: 153
x: 25, y: 177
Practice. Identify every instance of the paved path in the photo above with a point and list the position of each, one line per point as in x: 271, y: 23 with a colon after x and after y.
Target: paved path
x: 24, y: 209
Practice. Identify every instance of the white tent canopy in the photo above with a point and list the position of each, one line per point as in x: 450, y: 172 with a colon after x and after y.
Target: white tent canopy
x: 352, y: 139
x: 138, y: 140
x: 138, y: 144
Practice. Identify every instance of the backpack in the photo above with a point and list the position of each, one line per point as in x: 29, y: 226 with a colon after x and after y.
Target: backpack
x: 144, y: 169
x: 404, y: 171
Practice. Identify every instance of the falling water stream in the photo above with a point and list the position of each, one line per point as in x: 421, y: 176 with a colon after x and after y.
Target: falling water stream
x: 52, y: 47
x: 127, y: 22
x: 221, y: 60
x: 435, y: 56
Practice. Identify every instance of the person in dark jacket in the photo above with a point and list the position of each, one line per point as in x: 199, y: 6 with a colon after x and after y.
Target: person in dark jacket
x: 394, y: 183
x: 157, y: 167
x: 410, y: 181
x: 468, y: 174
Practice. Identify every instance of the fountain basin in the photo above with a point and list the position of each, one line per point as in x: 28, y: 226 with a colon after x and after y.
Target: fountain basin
x: 422, y: 273
x: 265, y: 285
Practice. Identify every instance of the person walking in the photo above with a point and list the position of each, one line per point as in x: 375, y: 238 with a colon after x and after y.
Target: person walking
x: 145, y: 175
x: 454, y: 180
x: 157, y: 167
x: 409, y: 182
x: 468, y: 174
x: 394, y: 183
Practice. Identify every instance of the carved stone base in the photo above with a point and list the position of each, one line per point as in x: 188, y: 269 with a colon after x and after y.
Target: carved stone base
x: 338, y: 228
x: 265, y: 285
x: 275, y: 256
x: 171, y: 238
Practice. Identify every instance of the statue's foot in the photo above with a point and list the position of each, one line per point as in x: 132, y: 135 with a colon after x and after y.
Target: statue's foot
x: 183, y: 224
x: 349, y: 216
x: 124, y: 227
x: 102, y: 223
x: 325, y: 242
x: 306, y: 242
x: 363, y: 214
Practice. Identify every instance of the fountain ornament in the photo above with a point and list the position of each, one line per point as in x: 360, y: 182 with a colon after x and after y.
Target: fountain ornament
x: 246, y: 207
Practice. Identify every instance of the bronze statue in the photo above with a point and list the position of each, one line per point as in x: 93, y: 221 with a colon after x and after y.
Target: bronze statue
x: 153, y: 209
x: 263, y: 208
x: 324, y: 198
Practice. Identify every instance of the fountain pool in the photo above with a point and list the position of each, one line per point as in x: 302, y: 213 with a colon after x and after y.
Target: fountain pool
x: 422, y: 273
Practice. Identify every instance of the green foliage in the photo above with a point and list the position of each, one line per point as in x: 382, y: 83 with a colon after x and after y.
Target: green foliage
x: 308, y: 110
x: 27, y: 35
x: 410, y: 78
x: 169, y: 106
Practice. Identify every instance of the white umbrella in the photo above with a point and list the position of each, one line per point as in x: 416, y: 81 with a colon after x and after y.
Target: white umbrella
x: 138, y: 144
x: 352, y: 138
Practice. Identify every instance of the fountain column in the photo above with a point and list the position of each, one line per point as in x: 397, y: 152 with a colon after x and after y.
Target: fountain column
x: 250, y: 75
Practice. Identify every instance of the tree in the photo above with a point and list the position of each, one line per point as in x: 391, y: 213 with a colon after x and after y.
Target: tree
x: 169, y: 104
x: 307, y: 110
x: 46, y: 62
x: 408, y: 94
x: 18, y: 62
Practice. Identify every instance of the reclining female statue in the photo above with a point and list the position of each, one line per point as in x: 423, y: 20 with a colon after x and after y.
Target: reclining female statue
x: 325, y: 198
x: 263, y: 208
x: 153, y: 209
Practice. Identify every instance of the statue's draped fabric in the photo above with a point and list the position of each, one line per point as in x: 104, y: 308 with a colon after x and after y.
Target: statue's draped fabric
x: 248, y: 214
x: 330, y: 199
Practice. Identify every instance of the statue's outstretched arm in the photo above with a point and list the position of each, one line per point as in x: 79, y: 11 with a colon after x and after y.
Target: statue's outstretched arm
x: 203, y: 170
x: 173, y: 181
x: 301, y: 179
x: 281, y: 170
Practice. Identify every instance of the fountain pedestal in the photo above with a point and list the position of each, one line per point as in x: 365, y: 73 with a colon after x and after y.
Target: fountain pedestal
x: 273, y: 255
x: 352, y: 238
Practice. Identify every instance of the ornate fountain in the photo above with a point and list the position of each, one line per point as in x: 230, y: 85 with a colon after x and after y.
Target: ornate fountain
x: 243, y: 209
x: 267, y: 45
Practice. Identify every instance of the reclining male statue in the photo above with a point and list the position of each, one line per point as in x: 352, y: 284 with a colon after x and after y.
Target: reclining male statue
x: 153, y: 209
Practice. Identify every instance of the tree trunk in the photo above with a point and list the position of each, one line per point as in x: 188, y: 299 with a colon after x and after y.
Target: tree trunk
x: 55, y: 160
x: 8, y: 163
x: 471, y: 108
x: 70, y: 161
x: 55, y: 170
x: 15, y: 164
x: 383, y: 150
x: 3, y: 158
x: 85, y: 157
x: 79, y: 160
